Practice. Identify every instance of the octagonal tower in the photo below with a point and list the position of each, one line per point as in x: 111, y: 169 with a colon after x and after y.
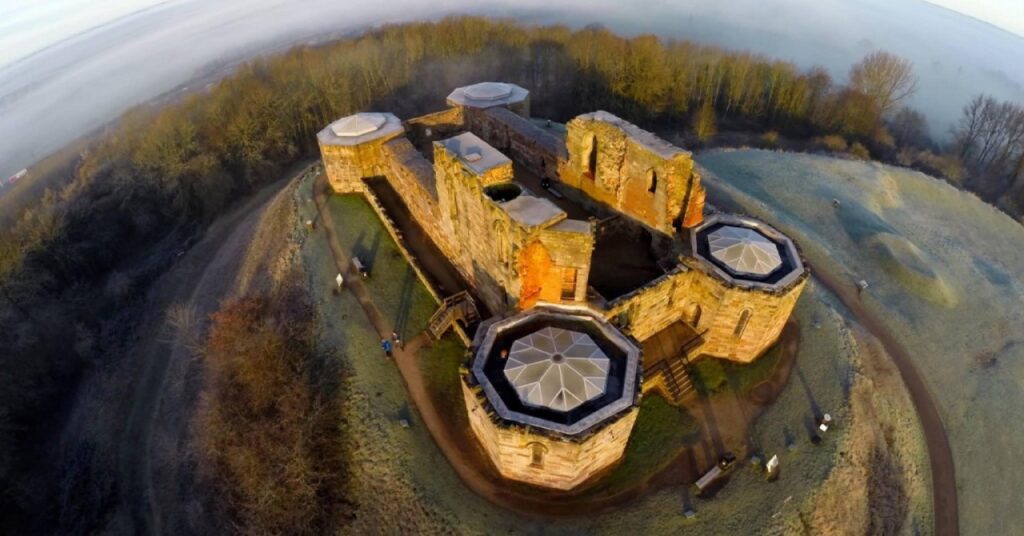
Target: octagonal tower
x: 552, y: 394
x: 748, y: 278
x: 351, y: 148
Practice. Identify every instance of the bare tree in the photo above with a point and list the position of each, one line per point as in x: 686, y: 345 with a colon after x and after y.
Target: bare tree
x: 885, y: 78
x: 989, y: 139
x: 909, y: 128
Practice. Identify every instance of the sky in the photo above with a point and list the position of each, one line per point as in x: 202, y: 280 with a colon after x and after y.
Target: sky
x: 68, y: 67
x: 1005, y: 14
x: 27, y: 26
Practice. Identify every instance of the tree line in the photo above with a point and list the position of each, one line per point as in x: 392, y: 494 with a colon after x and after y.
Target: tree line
x: 78, y: 261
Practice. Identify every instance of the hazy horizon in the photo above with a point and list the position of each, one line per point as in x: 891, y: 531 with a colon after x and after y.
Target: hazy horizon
x: 120, y: 54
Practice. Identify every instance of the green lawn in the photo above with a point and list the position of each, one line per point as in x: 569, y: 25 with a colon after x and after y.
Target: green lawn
x: 711, y: 376
x: 440, y: 366
x: 393, y: 283
x: 659, y: 435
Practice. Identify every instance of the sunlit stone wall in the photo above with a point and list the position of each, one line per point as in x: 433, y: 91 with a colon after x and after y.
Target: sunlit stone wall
x: 564, y: 463
x: 633, y: 172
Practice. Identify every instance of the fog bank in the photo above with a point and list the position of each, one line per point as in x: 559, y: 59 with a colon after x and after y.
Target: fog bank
x: 75, y: 85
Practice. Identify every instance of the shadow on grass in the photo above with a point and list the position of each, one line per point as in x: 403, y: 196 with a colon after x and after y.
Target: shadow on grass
x: 409, y: 282
x: 367, y: 254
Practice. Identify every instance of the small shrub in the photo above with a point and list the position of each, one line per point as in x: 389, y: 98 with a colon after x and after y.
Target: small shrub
x: 833, y: 143
x: 709, y: 375
x: 770, y: 139
x: 946, y: 166
x: 859, y: 151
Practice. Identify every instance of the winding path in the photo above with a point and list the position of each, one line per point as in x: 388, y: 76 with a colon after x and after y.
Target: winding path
x: 940, y: 455
x: 199, y: 280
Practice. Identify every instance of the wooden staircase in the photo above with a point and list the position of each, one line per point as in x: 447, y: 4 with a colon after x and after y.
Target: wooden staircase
x: 459, y: 306
x: 676, y: 372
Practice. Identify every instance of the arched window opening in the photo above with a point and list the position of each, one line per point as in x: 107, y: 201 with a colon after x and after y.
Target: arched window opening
x: 568, y: 284
x: 592, y: 159
x: 742, y: 324
x: 501, y: 241
x: 537, y: 452
x: 695, y: 313
x: 652, y: 181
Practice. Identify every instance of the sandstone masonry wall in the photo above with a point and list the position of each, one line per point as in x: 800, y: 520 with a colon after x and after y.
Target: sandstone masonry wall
x: 713, y: 308
x: 723, y: 308
x: 633, y: 172
x: 529, y: 145
x: 412, y: 176
x: 564, y: 463
x: 512, y: 265
x: 347, y: 166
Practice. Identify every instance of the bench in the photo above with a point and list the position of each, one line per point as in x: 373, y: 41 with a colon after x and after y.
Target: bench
x: 358, y: 264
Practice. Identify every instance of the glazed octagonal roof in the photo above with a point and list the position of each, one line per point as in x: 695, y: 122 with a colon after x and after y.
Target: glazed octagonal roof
x: 557, y: 368
x: 358, y: 124
x: 744, y: 250
x: 596, y: 378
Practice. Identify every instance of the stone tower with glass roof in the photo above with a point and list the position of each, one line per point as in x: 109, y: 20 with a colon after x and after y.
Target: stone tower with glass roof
x: 552, y: 394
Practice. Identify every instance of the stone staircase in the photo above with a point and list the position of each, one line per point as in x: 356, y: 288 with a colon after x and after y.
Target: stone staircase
x: 677, y: 379
x: 459, y: 306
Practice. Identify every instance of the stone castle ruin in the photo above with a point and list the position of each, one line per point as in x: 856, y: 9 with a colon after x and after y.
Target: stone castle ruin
x: 591, y: 249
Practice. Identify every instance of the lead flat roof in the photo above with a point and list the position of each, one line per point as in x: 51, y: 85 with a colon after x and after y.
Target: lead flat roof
x: 475, y: 153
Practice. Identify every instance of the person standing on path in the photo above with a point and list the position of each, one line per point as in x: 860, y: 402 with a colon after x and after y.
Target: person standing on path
x: 396, y: 338
x: 386, y: 345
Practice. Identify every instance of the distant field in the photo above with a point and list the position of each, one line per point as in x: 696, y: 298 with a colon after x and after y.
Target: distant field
x: 945, y: 270
x: 52, y: 172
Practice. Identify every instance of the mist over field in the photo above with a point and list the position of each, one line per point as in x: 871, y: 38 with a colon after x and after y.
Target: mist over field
x: 102, y: 66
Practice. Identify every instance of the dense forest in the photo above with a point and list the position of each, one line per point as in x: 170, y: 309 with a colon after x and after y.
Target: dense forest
x: 79, y: 260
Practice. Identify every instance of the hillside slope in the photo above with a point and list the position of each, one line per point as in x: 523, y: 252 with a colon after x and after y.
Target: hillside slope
x: 946, y: 273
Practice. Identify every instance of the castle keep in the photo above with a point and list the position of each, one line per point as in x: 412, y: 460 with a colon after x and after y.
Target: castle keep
x: 590, y: 247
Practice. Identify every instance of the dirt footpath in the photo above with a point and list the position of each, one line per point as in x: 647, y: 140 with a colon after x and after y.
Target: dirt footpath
x: 940, y: 455
x: 197, y: 283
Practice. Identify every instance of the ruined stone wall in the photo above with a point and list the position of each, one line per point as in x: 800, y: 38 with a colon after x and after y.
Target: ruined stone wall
x: 435, y: 126
x: 570, y: 251
x: 633, y: 172
x: 412, y: 176
x: 531, y: 146
x: 653, y: 307
x: 478, y: 232
x: 712, y: 307
x: 511, y: 265
x: 565, y: 463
